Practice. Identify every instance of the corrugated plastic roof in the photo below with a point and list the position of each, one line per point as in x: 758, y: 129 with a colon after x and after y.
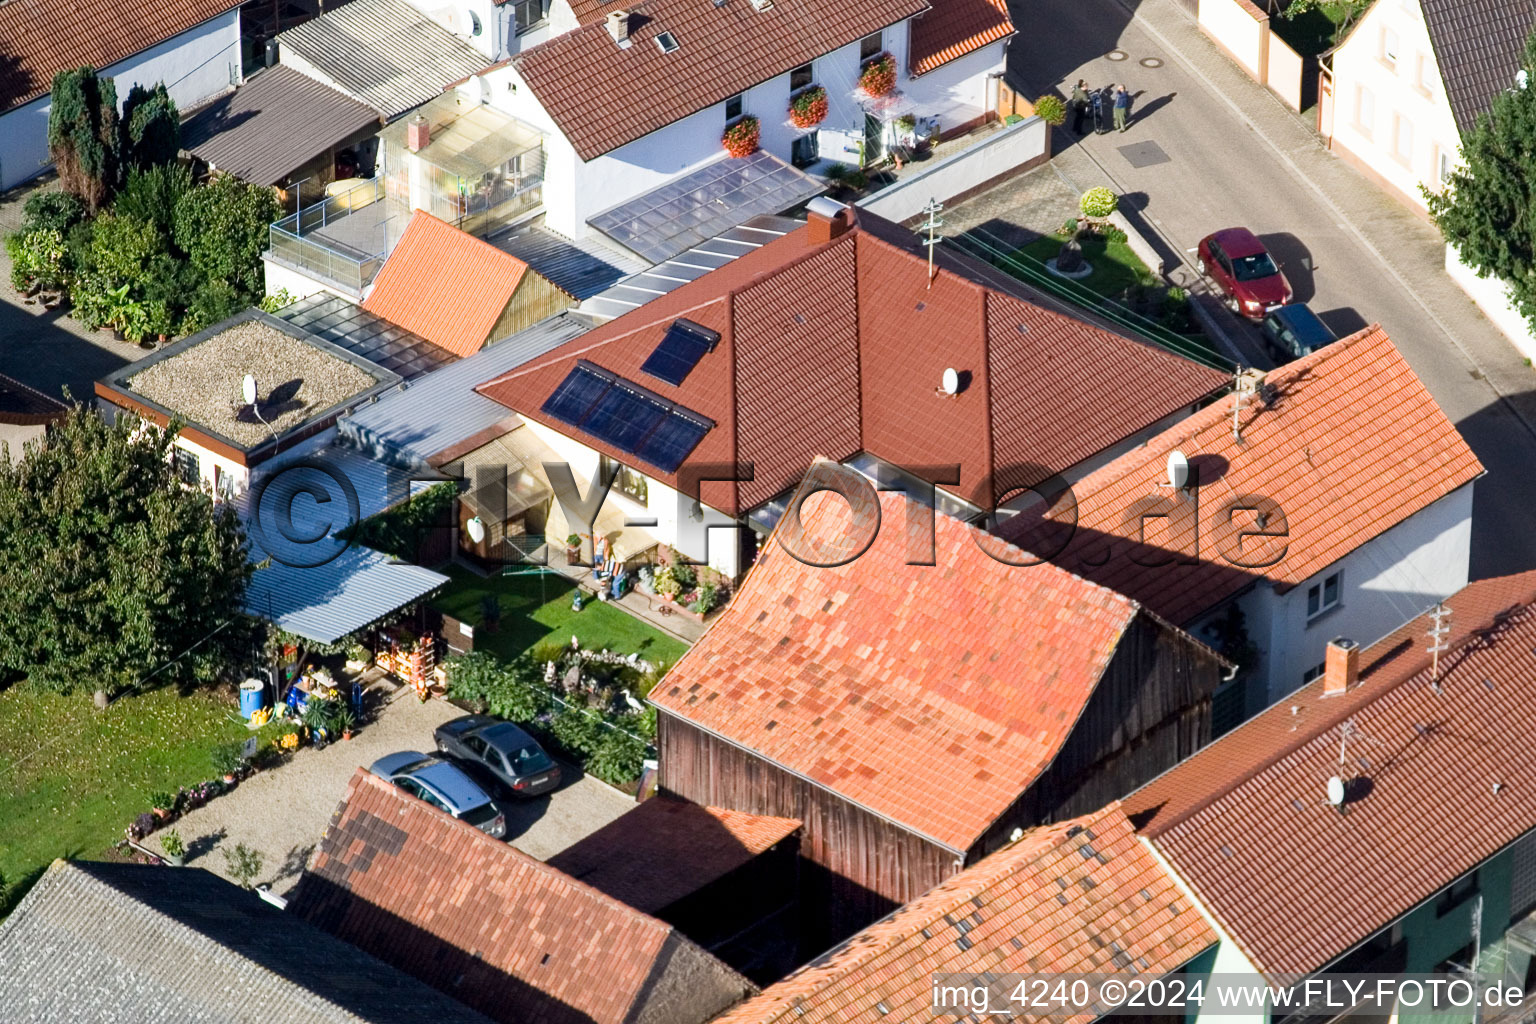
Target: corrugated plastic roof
x: 40, y: 38
x: 442, y: 409
x: 1082, y: 896
x: 579, y: 268
x: 104, y: 943
x: 1438, y: 778
x: 349, y: 326
x: 277, y: 121
x: 387, y: 53
x: 445, y: 285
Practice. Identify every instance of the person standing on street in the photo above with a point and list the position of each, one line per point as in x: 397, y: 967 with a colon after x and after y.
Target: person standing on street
x: 1079, y: 105
x: 1122, y: 107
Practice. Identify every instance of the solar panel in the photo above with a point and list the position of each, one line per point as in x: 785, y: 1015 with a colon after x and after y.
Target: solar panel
x: 626, y: 416
x: 680, y: 351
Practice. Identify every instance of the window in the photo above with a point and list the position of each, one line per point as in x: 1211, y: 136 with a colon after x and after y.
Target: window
x: 732, y: 108
x: 871, y: 47
x: 188, y: 466
x: 1443, y: 168
x: 529, y: 14
x: 1422, y: 73
x: 800, y: 77
x: 474, y: 24
x: 1365, y: 109
x: 626, y: 481
x: 1313, y: 672
x: 1402, y: 139
x: 1389, y: 46
x: 226, y: 485
x: 1459, y: 891
x: 1324, y: 596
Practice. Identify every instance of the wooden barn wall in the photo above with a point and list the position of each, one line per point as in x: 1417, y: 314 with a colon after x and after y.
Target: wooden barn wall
x: 856, y: 867
x: 1151, y: 710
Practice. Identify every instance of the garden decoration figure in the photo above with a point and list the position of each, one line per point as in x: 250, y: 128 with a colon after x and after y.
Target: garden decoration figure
x: 576, y: 600
x: 1069, y: 258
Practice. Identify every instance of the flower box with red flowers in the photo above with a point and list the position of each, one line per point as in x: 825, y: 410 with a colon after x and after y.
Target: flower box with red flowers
x: 879, y: 76
x: 740, y: 139
x: 809, y: 108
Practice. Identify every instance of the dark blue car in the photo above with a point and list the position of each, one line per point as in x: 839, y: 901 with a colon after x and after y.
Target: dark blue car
x: 1293, y: 331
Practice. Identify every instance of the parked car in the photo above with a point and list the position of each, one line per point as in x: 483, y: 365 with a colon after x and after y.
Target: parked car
x: 1243, y: 269
x: 444, y: 786
x: 503, y: 751
x: 1293, y: 331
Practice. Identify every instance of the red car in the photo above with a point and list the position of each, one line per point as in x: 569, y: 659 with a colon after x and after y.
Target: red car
x: 1245, y: 272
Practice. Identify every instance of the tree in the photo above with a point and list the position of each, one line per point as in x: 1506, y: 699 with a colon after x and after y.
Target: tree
x: 1485, y: 208
x: 223, y: 229
x: 83, y: 135
x: 151, y: 127
x: 111, y: 568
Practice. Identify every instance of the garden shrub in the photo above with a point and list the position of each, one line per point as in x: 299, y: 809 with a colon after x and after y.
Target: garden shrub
x: 52, y: 211
x: 223, y: 228
x: 152, y: 193
x: 151, y: 127
x: 1098, y: 202
x: 618, y: 758
x: 36, y: 256
x: 123, y: 246
x: 577, y: 731
x: 1051, y: 110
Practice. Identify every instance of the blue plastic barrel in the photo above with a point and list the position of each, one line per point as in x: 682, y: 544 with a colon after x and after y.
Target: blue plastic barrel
x: 252, y: 697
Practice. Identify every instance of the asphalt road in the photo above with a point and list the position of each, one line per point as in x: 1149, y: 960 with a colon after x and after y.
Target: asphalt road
x: 1214, y: 150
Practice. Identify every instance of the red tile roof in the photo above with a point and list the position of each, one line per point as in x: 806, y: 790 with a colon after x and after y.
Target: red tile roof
x: 1347, y: 442
x: 839, y: 674
x: 1441, y: 778
x: 838, y: 348
x: 721, y: 51
x: 480, y: 920
x: 666, y: 849
x: 445, y: 285
x: 954, y: 28
x: 1081, y: 896
x: 40, y: 38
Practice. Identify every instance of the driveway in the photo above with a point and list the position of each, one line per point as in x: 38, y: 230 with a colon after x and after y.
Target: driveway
x: 281, y: 813
x: 1208, y: 148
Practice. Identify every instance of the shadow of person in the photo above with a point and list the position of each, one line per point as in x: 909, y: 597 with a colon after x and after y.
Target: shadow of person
x: 204, y: 845
x: 1140, y: 110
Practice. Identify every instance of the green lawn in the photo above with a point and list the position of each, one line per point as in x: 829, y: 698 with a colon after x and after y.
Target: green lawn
x: 72, y: 778
x: 1319, y: 28
x: 1115, y: 267
x: 536, y: 614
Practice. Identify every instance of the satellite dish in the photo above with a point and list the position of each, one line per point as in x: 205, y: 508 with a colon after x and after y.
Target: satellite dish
x: 248, y: 389
x: 1335, y: 791
x: 1178, y: 470
x: 950, y: 382
x: 476, y: 527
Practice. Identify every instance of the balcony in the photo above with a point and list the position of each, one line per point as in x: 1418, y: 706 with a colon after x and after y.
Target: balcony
x: 473, y: 167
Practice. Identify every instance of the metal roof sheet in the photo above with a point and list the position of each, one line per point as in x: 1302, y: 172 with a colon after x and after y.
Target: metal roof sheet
x: 442, y: 409
x: 385, y: 52
x: 278, y: 121
x: 581, y: 268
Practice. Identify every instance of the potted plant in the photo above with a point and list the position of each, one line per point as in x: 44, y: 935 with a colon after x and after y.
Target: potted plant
x: 809, y: 108
x: 228, y: 759
x: 358, y: 657
x: 142, y: 826
x: 163, y: 803
x: 344, y: 721
x: 879, y: 76
x: 666, y: 583
x: 175, y: 849
x: 740, y: 139
x: 573, y: 548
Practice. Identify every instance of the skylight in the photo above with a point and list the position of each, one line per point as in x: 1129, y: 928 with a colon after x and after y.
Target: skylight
x: 666, y: 42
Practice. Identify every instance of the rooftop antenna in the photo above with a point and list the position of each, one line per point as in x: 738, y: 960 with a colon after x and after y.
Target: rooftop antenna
x: 1437, y: 634
x: 249, y: 393
x: 933, y: 239
x: 1237, y: 403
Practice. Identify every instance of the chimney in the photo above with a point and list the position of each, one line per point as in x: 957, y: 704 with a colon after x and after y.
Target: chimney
x: 418, y: 134
x: 1342, y: 668
x: 618, y: 25
x: 826, y: 219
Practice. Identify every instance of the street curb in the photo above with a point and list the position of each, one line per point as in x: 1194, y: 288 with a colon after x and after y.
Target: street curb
x: 1343, y: 219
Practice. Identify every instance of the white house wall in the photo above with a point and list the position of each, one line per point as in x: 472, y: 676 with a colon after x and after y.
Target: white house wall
x: 195, y: 66
x: 674, y: 527
x: 960, y: 91
x: 1493, y: 298
x: 1403, y: 98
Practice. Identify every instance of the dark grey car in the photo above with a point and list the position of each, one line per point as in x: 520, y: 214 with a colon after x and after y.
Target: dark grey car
x: 1293, y: 331
x: 501, y: 750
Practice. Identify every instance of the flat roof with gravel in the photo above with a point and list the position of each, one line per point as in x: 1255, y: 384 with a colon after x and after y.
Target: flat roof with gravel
x: 300, y: 378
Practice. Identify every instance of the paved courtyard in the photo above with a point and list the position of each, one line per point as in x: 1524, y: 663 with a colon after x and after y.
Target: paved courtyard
x: 282, y: 813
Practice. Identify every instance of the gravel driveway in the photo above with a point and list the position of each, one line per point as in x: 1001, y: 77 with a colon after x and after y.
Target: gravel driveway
x: 282, y: 813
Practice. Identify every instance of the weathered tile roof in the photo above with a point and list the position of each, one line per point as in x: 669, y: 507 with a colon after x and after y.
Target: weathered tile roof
x: 954, y: 28
x: 840, y: 674
x: 387, y: 53
x: 1438, y: 778
x: 275, y: 123
x: 504, y: 933
x: 40, y: 38
x: 25, y: 406
x: 1346, y: 443
x: 1479, y: 45
x: 667, y: 848
x: 1081, y: 896
x: 445, y: 285
x: 839, y: 348
x: 722, y: 50
x: 102, y: 943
